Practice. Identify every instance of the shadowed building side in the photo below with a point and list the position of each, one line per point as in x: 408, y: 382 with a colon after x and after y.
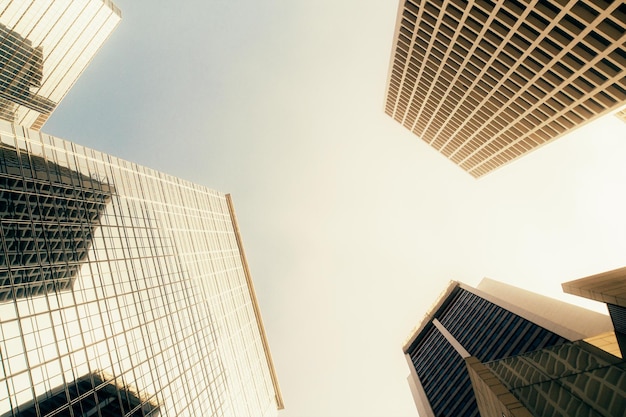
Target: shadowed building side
x: 48, y: 217
x: 91, y: 395
x: 574, y: 379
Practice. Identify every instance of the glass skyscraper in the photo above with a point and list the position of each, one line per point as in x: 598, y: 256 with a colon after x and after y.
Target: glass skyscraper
x: 44, y: 47
x: 122, y: 289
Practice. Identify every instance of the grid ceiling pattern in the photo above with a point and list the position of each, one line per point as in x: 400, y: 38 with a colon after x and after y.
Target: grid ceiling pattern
x: 485, y: 82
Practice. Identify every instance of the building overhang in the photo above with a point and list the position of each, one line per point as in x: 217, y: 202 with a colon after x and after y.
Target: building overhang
x: 607, y: 287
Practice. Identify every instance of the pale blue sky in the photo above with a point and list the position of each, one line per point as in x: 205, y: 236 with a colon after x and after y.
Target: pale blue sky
x: 352, y: 225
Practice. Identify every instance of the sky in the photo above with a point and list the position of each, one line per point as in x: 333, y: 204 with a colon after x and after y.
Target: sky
x: 352, y: 225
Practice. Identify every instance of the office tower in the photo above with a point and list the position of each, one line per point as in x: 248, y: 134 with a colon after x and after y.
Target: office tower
x: 575, y: 378
x: 484, y: 82
x: 44, y: 47
x: 492, y: 322
x: 125, y: 291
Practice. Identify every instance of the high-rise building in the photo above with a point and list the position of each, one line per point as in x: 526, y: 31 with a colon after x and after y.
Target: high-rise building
x: 44, y: 47
x: 571, y: 379
x: 489, y: 323
x: 484, y: 82
x: 124, y: 291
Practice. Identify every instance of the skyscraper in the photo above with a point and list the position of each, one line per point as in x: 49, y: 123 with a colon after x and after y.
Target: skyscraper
x: 489, y: 323
x: 485, y: 82
x: 124, y: 290
x: 571, y: 379
x: 44, y: 47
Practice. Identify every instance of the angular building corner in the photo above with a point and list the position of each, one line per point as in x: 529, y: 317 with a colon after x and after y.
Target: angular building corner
x: 123, y: 291
x: 500, y: 351
x: 255, y: 304
x: 486, y: 82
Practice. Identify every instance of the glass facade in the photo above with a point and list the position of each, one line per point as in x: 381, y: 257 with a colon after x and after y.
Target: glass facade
x: 570, y: 380
x: 44, y: 47
x: 487, y: 331
x: 124, y: 291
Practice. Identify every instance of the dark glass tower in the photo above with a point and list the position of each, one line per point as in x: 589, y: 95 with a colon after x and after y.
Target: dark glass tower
x: 469, y: 322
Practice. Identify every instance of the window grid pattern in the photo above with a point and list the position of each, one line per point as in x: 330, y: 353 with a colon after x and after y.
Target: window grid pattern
x: 487, y: 331
x: 159, y: 304
x: 485, y: 82
x: 44, y: 47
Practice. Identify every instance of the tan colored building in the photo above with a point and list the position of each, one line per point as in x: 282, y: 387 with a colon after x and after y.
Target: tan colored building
x: 484, y: 82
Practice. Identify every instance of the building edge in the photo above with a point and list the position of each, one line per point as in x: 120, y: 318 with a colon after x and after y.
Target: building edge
x: 394, y: 47
x: 578, y: 323
x: 417, y: 391
x: 565, y: 319
x: 255, y: 304
x: 116, y: 11
x: 605, y: 287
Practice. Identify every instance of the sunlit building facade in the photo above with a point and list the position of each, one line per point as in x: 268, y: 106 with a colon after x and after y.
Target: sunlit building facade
x: 44, y: 47
x: 124, y: 291
x: 468, y: 327
x: 485, y: 82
